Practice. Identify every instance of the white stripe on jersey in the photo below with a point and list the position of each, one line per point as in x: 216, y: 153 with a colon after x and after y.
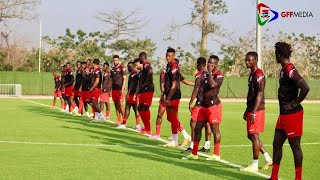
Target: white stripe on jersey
x: 290, y: 73
x: 260, y: 78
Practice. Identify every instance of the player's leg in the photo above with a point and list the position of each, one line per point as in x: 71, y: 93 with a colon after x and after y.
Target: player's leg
x: 216, y: 139
x: 256, y: 146
x: 279, y: 138
x: 161, y: 111
x: 62, y: 102
x: 192, y: 126
x: 206, y: 147
x: 54, y: 100
x: 145, y: 117
x: 126, y: 116
x: 137, y: 115
x: 197, y: 137
x: 172, y: 117
x: 107, y: 104
x: 297, y: 154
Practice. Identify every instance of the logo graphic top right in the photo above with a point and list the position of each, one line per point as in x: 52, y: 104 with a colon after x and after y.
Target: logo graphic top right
x: 267, y: 15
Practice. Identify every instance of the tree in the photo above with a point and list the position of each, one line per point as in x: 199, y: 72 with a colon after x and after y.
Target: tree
x: 122, y: 24
x: 200, y: 19
x: 18, y: 9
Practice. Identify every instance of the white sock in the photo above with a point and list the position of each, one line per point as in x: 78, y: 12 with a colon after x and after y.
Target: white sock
x: 101, y: 114
x: 76, y: 109
x: 191, y: 145
x: 267, y: 157
x: 67, y: 107
x: 87, y: 113
x: 175, y: 138
x: 255, y: 163
x: 185, y: 134
x: 207, y: 145
x: 96, y: 115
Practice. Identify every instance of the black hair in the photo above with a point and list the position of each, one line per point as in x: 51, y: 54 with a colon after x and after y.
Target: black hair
x: 253, y: 54
x: 83, y: 63
x: 115, y: 56
x: 143, y: 54
x: 64, y: 66
x: 68, y: 63
x: 171, y: 50
x: 78, y: 61
x: 136, y: 60
x: 201, y: 61
x: 89, y: 60
x: 106, y: 63
x: 214, y: 57
x: 283, y: 49
x: 131, y: 62
x: 96, y: 61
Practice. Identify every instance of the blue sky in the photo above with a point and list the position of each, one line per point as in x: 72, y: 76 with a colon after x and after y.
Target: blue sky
x: 57, y: 15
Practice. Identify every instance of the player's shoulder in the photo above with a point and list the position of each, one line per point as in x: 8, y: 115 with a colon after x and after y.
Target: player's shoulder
x: 289, y: 67
x: 218, y: 74
x: 259, y: 73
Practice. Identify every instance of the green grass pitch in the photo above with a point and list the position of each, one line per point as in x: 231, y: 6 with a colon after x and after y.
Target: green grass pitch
x: 63, y: 152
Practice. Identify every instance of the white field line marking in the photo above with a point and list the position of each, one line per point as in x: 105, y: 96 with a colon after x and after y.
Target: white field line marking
x: 165, y: 141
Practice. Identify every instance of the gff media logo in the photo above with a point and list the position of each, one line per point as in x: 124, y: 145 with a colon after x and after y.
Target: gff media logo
x: 267, y: 15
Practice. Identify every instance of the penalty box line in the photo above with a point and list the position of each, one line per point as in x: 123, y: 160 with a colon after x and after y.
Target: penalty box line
x: 165, y: 141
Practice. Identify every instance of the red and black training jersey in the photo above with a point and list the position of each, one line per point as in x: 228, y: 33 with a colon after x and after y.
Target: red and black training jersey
x: 86, y: 81
x: 288, y: 89
x: 57, y: 82
x: 163, y: 74
x: 146, y: 79
x: 200, y: 79
x: 106, y: 82
x: 68, y: 79
x: 256, y: 83
x: 133, y: 82
x: 63, y: 77
x: 172, y: 74
x: 117, y: 74
x: 210, y: 96
x: 97, y: 74
x: 77, y: 84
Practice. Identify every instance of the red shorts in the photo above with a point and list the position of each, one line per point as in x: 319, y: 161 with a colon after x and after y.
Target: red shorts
x: 86, y: 96
x: 131, y: 100
x: 212, y: 114
x: 116, y: 96
x: 174, y: 107
x: 162, y: 106
x: 68, y: 91
x: 258, y: 126
x: 195, y: 116
x: 95, y: 94
x: 145, y: 98
x: 77, y: 93
x: 104, y: 97
x: 292, y: 124
x: 57, y: 93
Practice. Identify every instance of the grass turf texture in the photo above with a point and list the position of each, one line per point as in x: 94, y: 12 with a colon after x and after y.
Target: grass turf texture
x: 136, y: 157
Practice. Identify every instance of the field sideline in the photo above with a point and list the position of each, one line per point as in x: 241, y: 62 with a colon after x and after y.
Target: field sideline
x: 37, y: 142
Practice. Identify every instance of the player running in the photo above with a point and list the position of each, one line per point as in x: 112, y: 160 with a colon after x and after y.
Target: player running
x: 95, y: 90
x: 254, y: 114
x: 209, y: 109
x: 57, y: 90
x: 293, y: 89
x: 171, y: 98
x: 118, y: 82
x: 105, y: 94
x: 130, y: 99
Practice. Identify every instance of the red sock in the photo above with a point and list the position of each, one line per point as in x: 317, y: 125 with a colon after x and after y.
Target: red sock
x: 93, y: 112
x: 80, y: 107
x: 145, y: 117
x: 158, y: 127
x: 54, y: 103
x: 124, y: 121
x: 195, y: 147
x: 275, y: 171
x: 138, y: 120
x: 216, y: 149
x: 70, y: 108
x: 181, y: 128
x: 119, y: 118
x: 64, y: 106
x: 108, y: 113
x: 298, y: 173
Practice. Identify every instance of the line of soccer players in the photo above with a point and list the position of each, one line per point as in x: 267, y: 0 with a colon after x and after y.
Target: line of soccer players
x: 91, y: 85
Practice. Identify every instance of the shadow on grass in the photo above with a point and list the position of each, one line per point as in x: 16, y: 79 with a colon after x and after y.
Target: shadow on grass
x: 149, y: 149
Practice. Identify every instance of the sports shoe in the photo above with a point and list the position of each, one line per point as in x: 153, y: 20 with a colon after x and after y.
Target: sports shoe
x: 190, y: 157
x: 121, y: 126
x: 187, y: 151
x: 204, y: 150
x: 267, y: 165
x: 117, y: 123
x: 156, y: 136
x: 250, y: 169
x: 138, y: 127
x: 77, y: 114
x: 170, y: 138
x: 213, y: 157
x: 171, y: 144
x: 91, y: 115
x: 186, y: 141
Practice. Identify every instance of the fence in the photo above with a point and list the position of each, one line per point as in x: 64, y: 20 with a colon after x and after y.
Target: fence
x: 34, y: 83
